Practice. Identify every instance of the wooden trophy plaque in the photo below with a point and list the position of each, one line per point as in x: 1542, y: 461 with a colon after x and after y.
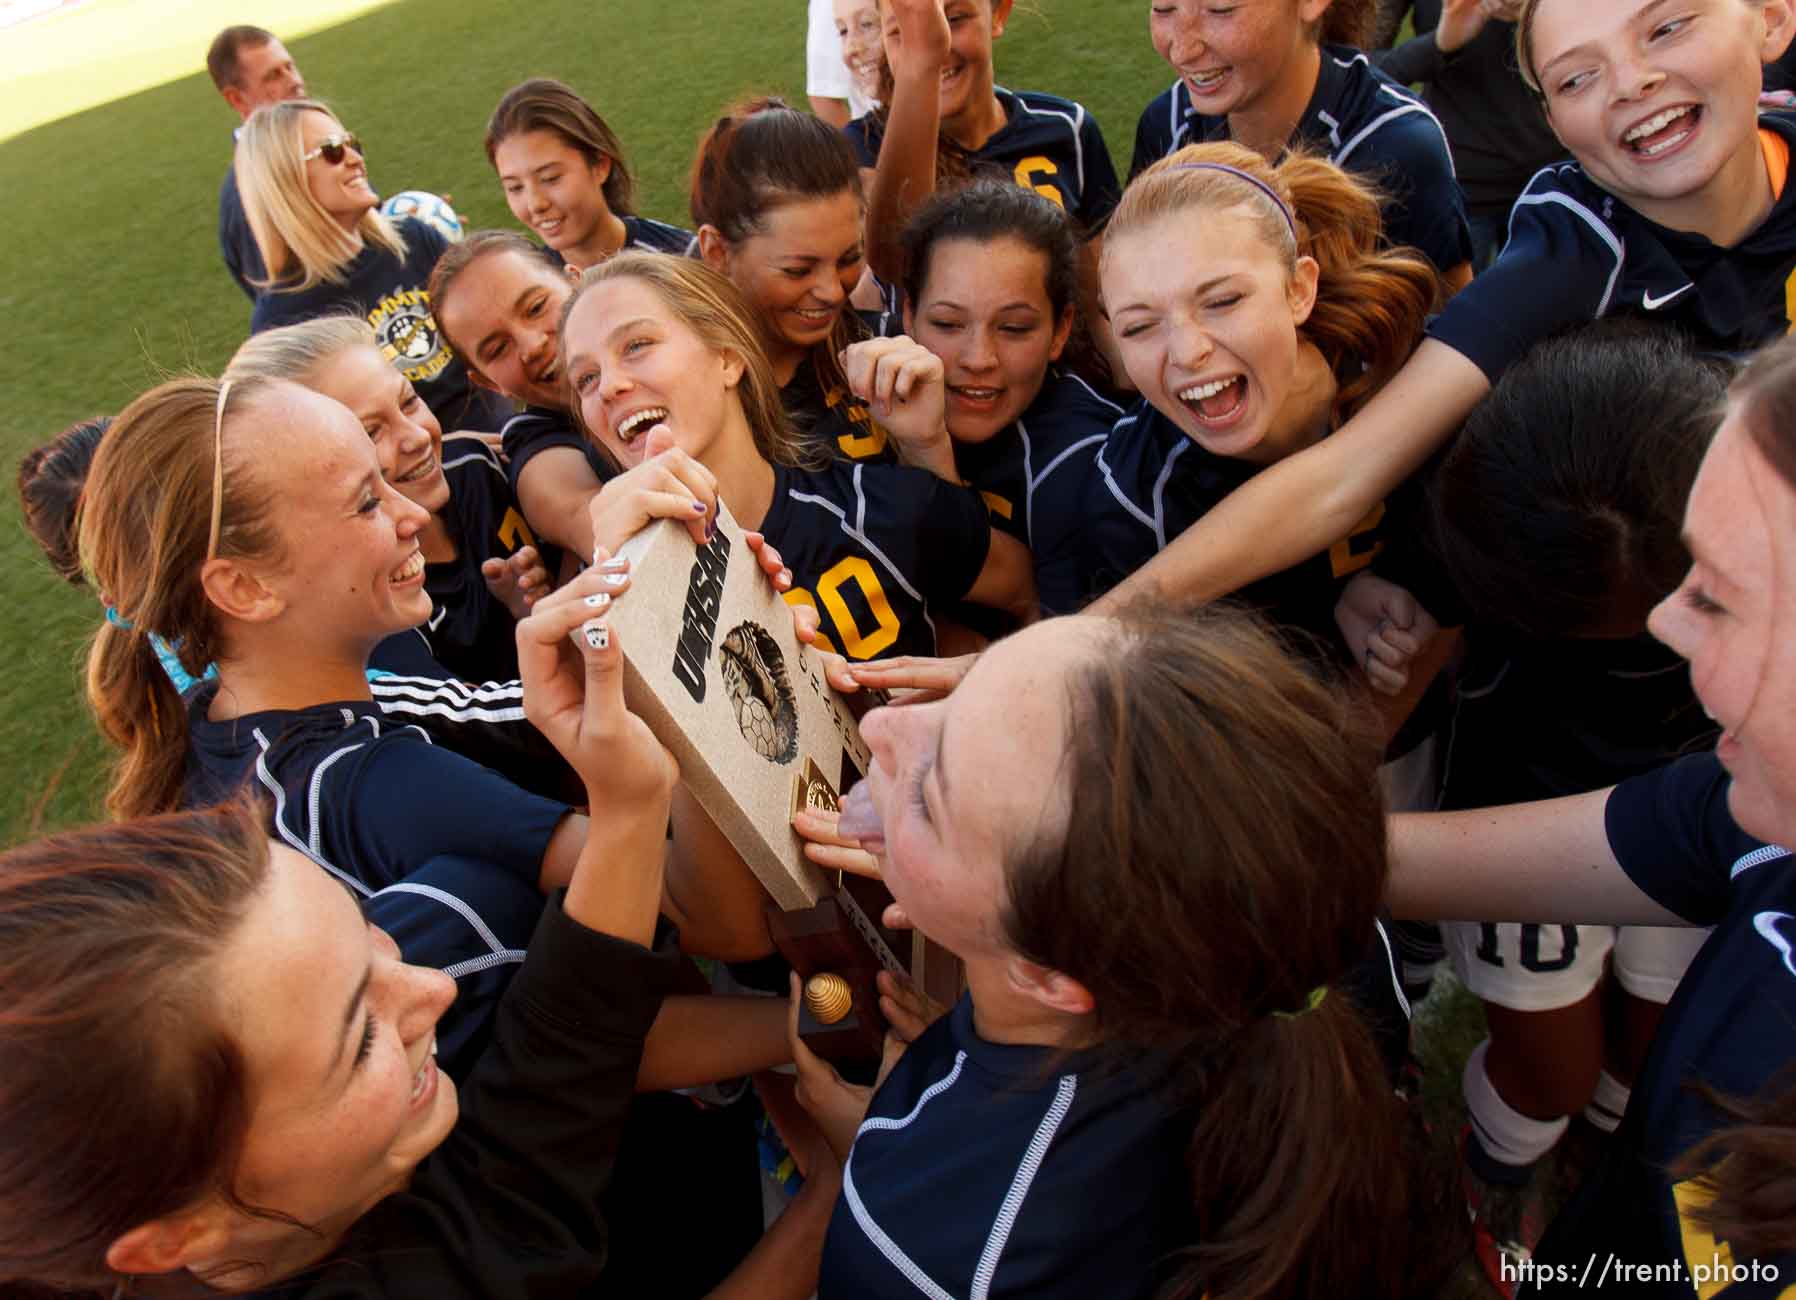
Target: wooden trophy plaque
x: 712, y: 665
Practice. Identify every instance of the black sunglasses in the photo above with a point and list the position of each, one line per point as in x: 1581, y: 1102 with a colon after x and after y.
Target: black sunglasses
x: 332, y: 149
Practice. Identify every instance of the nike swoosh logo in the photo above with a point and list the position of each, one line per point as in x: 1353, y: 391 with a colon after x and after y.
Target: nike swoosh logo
x: 441, y: 613
x: 1653, y: 304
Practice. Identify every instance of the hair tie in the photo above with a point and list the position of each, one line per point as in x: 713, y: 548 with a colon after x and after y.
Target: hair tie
x: 1310, y: 1003
x: 224, y: 391
x: 113, y: 617
x: 1260, y: 185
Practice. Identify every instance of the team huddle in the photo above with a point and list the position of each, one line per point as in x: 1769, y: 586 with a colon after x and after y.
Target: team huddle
x: 1277, y: 569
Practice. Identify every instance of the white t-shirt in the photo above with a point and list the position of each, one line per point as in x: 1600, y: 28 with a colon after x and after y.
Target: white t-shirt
x: 826, y: 75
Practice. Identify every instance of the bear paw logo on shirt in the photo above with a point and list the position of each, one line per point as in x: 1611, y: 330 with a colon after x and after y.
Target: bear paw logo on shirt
x: 408, y: 335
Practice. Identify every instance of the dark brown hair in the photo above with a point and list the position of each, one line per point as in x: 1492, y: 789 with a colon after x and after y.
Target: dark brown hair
x: 1371, y: 299
x: 1349, y: 22
x: 1558, y: 510
x: 223, y: 58
x: 1190, y: 943
x: 762, y: 154
x: 1750, y: 1165
x: 458, y: 257
x: 123, y: 1096
x: 145, y: 519
x: 545, y: 104
x: 50, y: 481
x: 986, y: 210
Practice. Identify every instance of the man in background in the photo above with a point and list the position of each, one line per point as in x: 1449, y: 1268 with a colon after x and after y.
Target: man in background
x: 251, y: 68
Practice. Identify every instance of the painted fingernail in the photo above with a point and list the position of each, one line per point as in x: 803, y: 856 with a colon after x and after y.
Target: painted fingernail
x: 699, y: 507
x: 616, y: 564
x: 598, y: 600
x: 616, y: 579
x: 597, y: 634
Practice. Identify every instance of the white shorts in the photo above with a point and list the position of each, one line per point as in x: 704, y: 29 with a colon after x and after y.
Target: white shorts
x: 1545, y: 967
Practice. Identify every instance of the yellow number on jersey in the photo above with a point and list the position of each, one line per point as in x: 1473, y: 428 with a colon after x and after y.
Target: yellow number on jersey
x: 1704, y: 1257
x: 856, y: 643
x: 857, y: 446
x: 1790, y: 302
x: 1344, y: 558
x: 1030, y: 169
x: 514, y: 532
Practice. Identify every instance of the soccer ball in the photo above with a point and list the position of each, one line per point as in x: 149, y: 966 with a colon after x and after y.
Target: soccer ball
x: 426, y: 207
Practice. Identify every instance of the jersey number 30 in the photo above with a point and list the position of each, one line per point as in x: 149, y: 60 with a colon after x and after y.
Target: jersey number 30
x: 856, y: 643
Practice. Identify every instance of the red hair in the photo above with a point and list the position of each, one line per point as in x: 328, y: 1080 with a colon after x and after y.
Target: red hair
x: 1371, y: 299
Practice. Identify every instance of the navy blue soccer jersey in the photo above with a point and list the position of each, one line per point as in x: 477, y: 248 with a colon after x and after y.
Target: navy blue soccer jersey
x: 887, y: 320
x: 1362, y: 121
x: 999, y: 1170
x: 535, y: 429
x: 1048, y: 144
x: 390, y: 293
x: 650, y: 236
x: 437, y: 847
x: 646, y: 235
x: 1152, y: 482
x: 833, y: 417
x: 1727, y: 1027
x: 1032, y: 478
x: 1534, y: 719
x: 473, y: 634
x: 1599, y: 258
x: 874, y: 548
x: 482, y: 721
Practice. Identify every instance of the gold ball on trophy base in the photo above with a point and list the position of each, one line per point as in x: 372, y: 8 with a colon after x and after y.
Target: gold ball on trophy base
x: 828, y: 998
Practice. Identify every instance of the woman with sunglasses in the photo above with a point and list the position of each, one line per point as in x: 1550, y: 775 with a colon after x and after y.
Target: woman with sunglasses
x: 328, y: 249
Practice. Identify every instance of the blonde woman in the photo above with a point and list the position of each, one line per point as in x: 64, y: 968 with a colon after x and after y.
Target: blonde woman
x: 316, y: 221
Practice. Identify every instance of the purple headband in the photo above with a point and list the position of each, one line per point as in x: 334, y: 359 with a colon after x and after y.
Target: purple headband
x: 1254, y: 181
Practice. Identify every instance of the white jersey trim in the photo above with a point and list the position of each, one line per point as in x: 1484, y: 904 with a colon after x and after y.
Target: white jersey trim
x: 1176, y: 125
x: 1073, y: 120
x: 449, y: 698
x: 1396, y: 980
x: 1404, y: 110
x: 1616, y: 248
x: 855, y: 533
x: 1035, y: 481
x: 497, y: 953
x: 893, y: 1253
x: 1019, y: 1186
x: 1757, y: 858
x: 930, y: 1093
x: 314, y: 833
x: 280, y: 824
x: 854, y: 530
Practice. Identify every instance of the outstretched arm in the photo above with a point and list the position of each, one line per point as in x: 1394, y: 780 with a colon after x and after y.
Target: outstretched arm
x: 1544, y: 862
x: 1307, y: 502
x: 905, y: 174
x: 707, y: 1038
